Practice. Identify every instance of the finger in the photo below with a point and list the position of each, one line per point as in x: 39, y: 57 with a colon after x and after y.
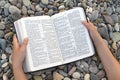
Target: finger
x: 87, y: 25
x: 24, y: 44
x: 15, y: 42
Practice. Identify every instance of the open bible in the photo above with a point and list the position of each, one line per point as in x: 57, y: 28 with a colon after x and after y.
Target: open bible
x: 55, y: 40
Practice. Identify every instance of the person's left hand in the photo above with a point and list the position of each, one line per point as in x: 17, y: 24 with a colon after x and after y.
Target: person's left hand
x: 19, y: 51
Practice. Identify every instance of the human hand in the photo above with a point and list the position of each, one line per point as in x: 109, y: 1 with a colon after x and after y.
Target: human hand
x: 19, y: 51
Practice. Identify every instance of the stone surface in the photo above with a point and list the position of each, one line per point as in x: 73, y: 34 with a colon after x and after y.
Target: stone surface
x: 109, y: 11
x: 116, y: 36
x: 108, y: 19
x: 87, y: 77
x: 3, y: 44
x: 57, y: 76
x: 27, y: 3
x: 76, y: 75
x: 37, y: 78
x: 94, y: 15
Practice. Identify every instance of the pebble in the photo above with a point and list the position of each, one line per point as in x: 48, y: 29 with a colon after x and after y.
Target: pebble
x: 115, y: 18
x: 2, y: 26
x: 93, y: 69
x: 2, y: 3
x: 4, y: 56
x: 118, y: 9
x: 27, y: 3
x: 93, y: 77
x: 1, y: 33
x: 89, y: 9
x: 8, y: 35
x: 10, y: 59
x: 117, y: 27
x: 116, y: 36
x: 108, y: 19
x: 57, y: 76
x: 5, y: 64
x: 76, y: 75
x: 100, y: 74
x: 87, y: 77
x: 45, y: 2
x: 66, y: 78
x: 29, y: 76
x: 24, y: 10
x: 8, y: 50
x: 14, y: 10
x: 109, y: 10
x: 118, y: 53
x: 94, y: 15
x: 38, y: 8
x: 62, y: 7
x: 50, y: 12
x: 72, y: 70
x: 14, y: 2
x: 104, y: 32
x: 37, y: 78
x: 63, y: 73
x: 5, y: 77
x: 3, y: 44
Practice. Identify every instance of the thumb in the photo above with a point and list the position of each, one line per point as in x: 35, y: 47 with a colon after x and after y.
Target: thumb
x: 87, y: 25
x: 24, y: 44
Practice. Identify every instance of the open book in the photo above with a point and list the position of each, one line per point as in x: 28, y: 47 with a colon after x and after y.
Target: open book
x: 55, y: 40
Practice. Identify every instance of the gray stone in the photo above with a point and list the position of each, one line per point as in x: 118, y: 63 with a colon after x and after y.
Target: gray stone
x: 63, y: 73
x: 2, y: 26
x: 2, y: 3
x: 116, y: 36
x: 118, y: 53
x: 118, y: 9
x: 8, y: 50
x: 37, y: 77
x: 115, y: 17
x: 109, y: 11
x: 45, y: 2
x: 94, y: 15
x: 93, y: 77
x: 93, y: 68
x: 14, y: 9
x: 3, y: 61
x: 24, y: 10
x: 14, y: 2
x: 104, y: 32
x: 66, y: 78
x: 117, y: 27
x: 72, y: 70
x: 50, y: 12
x: 100, y: 74
x: 2, y: 33
x: 108, y: 19
x: 27, y: 3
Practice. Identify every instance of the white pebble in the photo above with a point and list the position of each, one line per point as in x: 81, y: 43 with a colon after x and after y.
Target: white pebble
x: 76, y: 75
x: 4, y: 56
x: 5, y: 77
x: 87, y: 77
x: 66, y: 78
x: 5, y: 64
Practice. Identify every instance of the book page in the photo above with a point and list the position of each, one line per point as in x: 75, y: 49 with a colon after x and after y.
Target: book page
x: 73, y: 37
x: 42, y: 43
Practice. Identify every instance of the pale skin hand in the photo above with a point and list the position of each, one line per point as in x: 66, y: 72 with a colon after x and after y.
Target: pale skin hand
x: 111, y: 65
x: 18, y: 58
